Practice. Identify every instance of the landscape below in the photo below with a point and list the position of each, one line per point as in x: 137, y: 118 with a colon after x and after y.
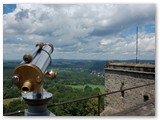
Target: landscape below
x: 75, y: 79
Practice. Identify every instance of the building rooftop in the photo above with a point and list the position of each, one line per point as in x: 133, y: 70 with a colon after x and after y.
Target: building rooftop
x: 131, y: 64
x: 145, y: 68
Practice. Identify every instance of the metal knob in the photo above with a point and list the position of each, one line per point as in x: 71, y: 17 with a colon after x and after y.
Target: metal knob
x: 15, y: 79
x: 51, y: 74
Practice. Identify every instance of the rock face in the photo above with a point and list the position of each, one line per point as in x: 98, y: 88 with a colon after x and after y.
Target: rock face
x: 124, y: 75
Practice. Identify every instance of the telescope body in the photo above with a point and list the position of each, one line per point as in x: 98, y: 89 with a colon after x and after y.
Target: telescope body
x: 30, y: 74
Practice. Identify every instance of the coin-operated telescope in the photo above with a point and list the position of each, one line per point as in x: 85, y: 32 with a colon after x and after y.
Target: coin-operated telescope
x: 29, y: 76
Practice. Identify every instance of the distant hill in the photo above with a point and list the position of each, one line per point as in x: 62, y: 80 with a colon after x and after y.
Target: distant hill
x: 90, y: 65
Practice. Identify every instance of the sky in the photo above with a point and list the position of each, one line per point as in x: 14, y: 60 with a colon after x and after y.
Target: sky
x: 80, y: 31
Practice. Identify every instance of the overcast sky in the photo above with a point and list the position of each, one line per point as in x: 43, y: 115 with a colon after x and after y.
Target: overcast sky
x: 80, y: 31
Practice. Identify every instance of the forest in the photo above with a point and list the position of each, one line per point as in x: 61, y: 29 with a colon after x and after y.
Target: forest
x: 75, y: 79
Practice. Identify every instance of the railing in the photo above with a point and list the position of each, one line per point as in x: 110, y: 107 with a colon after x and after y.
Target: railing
x: 84, y: 98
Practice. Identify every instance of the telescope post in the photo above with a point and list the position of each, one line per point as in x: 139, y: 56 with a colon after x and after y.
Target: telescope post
x: 37, y: 106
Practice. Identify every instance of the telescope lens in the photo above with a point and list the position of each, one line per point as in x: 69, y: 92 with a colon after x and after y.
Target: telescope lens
x: 25, y: 89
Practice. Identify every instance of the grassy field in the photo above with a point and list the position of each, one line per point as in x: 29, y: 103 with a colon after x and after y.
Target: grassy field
x: 7, y: 101
x: 101, y: 87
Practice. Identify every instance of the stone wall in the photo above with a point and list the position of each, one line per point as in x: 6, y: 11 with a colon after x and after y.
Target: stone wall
x: 117, y: 78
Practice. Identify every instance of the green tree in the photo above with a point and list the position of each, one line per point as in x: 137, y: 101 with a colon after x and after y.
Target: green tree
x: 97, y: 89
x: 87, y: 88
x: 15, y: 105
x: 92, y: 107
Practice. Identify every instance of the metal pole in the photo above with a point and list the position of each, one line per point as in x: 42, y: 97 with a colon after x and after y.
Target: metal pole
x: 137, y: 45
x: 99, y: 105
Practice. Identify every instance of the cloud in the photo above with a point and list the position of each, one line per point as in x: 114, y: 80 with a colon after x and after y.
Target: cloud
x: 125, y: 16
x: 105, y: 42
x: 77, y: 31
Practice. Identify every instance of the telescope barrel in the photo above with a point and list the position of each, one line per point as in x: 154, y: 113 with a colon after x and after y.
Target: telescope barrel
x: 43, y: 59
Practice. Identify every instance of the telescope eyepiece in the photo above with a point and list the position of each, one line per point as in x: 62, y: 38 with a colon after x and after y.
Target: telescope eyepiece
x: 26, y: 88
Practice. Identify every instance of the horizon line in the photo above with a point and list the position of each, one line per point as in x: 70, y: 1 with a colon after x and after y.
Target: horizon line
x: 89, y: 59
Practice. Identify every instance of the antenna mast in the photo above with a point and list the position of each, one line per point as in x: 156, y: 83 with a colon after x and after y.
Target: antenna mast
x: 137, y: 44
